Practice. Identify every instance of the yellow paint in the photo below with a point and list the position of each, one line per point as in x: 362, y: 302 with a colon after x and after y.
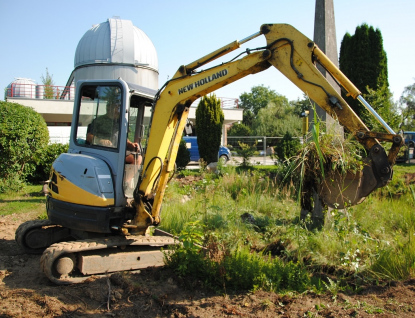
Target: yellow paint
x: 69, y: 192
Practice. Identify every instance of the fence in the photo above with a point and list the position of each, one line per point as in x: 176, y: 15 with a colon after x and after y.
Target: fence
x: 68, y: 93
x: 262, y: 143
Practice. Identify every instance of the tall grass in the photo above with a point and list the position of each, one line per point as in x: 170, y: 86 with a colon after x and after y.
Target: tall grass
x: 246, y: 211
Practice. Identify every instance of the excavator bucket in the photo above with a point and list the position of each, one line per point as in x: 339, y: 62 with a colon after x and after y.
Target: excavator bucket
x: 339, y: 190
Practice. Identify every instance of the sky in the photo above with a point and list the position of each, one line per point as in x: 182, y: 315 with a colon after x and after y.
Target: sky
x: 41, y: 34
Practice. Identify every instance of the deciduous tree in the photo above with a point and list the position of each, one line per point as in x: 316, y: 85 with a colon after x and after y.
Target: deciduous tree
x: 407, y: 106
x: 48, y: 84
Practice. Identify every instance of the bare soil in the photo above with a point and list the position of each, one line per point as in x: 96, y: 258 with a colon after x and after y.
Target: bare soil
x: 26, y: 292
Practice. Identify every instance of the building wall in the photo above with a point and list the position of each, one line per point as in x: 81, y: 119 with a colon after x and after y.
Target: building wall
x: 58, y: 115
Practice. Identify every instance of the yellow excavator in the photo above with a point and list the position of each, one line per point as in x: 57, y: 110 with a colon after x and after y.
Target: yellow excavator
x: 107, y: 191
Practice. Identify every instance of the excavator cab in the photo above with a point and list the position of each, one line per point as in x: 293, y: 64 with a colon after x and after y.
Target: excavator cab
x: 92, y: 185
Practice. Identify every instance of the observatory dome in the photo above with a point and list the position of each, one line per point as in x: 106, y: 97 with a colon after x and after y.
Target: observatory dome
x: 22, y: 87
x: 117, y: 48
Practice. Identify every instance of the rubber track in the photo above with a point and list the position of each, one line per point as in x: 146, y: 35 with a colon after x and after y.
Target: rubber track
x: 24, y: 228
x: 57, y: 250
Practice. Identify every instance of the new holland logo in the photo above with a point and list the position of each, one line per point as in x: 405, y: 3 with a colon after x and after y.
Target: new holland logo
x: 203, y: 81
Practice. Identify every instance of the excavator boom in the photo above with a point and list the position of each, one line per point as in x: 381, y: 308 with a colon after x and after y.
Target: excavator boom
x: 295, y: 56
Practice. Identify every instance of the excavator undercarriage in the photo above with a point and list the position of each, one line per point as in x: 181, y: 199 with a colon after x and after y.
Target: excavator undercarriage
x: 67, y: 260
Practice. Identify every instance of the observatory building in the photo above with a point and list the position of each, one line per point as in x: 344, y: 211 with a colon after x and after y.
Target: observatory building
x: 109, y: 50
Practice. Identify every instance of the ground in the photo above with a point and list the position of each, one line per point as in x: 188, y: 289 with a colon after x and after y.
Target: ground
x: 26, y: 292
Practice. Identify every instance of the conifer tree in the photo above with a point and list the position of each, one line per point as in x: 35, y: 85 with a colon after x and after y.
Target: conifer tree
x: 364, y: 61
x: 209, y: 121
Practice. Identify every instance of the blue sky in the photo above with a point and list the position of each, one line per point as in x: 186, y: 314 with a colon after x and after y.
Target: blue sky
x: 42, y: 34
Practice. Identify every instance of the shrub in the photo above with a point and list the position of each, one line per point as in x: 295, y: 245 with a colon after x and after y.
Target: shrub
x: 246, y: 152
x: 287, y: 147
x: 50, y: 154
x: 183, y: 156
x: 23, y: 138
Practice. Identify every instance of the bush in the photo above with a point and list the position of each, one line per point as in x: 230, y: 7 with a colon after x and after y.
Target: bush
x: 287, y: 147
x: 183, y: 156
x: 23, y: 139
x: 50, y: 154
x: 246, y: 152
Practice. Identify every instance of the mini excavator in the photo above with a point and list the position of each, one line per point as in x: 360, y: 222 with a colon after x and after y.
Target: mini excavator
x: 100, y: 205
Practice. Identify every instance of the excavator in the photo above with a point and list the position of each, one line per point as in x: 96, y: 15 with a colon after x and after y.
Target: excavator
x: 102, y: 208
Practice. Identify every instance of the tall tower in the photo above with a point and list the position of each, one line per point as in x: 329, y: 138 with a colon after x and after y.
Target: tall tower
x: 325, y: 38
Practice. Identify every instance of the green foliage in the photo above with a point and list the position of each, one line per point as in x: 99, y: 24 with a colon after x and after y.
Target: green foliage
x: 238, y: 270
x: 363, y: 60
x: 47, y: 81
x: 246, y: 152
x: 301, y: 105
x: 396, y: 262
x: 325, y: 158
x: 23, y: 139
x: 277, y: 118
x: 267, y: 113
x: 186, y: 259
x: 371, y: 242
x: 407, y: 106
x: 382, y: 101
x: 258, y: 98
x: 209, y: 121
x: 183, y: 156
x: 287, y: 147
x: 248, y: 118
x: 47, y: 158
x: 239, y: 130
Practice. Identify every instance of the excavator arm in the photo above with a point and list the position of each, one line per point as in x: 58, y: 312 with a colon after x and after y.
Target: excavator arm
x: 294, y: 55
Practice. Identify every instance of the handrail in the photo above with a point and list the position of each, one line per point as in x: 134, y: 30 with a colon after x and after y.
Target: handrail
x: 34, y: 91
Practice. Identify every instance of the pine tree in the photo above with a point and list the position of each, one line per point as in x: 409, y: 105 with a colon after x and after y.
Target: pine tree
x: 209, y: 121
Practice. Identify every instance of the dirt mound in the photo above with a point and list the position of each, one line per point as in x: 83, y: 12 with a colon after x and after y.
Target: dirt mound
x: 26, y: 292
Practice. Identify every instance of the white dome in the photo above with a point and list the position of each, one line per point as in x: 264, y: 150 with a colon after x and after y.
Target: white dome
x: 22, y: 87
x: 116, y: 42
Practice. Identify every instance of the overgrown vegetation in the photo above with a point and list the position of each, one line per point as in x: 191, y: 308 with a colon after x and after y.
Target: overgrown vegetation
x: 241, y: 231
x: 326, y: 160
x: 249, y: 235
